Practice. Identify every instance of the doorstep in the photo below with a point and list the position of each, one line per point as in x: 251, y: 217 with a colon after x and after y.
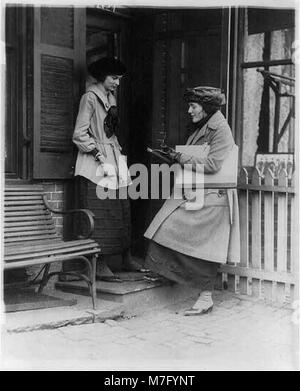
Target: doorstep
x: 135, y: 293
x: 51, y: 318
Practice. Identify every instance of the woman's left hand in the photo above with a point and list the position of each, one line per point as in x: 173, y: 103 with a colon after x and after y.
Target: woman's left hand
x: 175, y: 156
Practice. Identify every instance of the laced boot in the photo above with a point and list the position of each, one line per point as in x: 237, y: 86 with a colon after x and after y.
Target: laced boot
x: 203, y: 305
x: 130, y: 264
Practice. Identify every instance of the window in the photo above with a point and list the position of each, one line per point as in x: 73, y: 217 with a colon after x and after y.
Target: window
x: 268, y: 83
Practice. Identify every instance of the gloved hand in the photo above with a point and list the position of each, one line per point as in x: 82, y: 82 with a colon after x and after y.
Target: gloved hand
x: 173, y: 155
x: 98, y: 156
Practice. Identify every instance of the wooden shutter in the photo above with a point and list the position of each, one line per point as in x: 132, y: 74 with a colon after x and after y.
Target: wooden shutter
x: 59, y: 61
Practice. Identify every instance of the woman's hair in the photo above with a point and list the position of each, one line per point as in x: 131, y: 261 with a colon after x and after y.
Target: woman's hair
x: 106, y: 66
x: 210, y: 108
x: 100, y: 77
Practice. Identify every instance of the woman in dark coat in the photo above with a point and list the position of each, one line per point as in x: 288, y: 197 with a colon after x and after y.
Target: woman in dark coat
x: 187, y: 246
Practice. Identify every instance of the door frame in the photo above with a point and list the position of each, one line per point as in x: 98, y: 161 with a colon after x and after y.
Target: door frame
x: 21, y: 139
x: 119, y: 23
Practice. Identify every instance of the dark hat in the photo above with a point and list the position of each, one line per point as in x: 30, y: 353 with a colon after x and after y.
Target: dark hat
x: 106, y: 66
x: 209, y: 95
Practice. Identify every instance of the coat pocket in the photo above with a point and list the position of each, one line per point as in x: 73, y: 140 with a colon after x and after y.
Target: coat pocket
x: 215, y: 198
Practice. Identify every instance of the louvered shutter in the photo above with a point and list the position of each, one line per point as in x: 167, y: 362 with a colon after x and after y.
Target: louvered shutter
x: 59, y: 62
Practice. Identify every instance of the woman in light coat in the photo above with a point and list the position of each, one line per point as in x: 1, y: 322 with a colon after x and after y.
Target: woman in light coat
x: 187, y: 246
x: 98, y: 147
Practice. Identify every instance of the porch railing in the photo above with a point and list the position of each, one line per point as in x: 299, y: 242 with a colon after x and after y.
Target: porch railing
x: 269, y: 263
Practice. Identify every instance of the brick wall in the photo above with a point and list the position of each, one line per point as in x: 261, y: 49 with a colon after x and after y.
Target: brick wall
x: 56, y: 195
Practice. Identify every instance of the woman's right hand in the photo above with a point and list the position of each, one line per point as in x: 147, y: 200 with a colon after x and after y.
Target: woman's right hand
x: 99, y: 157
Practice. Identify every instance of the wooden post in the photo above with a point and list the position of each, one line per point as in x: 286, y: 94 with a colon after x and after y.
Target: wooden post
x: 231, y: 282
x: 294, y: 291
x: 268, y: 234
x: 244, y: 230
x: 256, y: 232
x: 282, y: 233
x: 219, y: 281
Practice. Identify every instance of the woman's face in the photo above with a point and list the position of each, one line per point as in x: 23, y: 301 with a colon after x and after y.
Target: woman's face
x: 111, y: 82
x: 196, y: 112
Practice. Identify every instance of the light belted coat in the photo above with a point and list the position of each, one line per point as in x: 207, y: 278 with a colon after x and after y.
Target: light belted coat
x: 89, y: 134
x: 211, y: 233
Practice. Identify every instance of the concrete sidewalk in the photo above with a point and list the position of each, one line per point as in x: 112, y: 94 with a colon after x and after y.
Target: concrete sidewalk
x: 239, y: 334
x: 56, y: 317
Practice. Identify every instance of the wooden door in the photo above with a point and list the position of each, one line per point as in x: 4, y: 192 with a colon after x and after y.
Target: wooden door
x: 190, y: 49
x: 107, y: 34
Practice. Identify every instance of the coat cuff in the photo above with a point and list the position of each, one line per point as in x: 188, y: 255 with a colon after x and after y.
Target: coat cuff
x: 94, y: 152
x: 184, y: 158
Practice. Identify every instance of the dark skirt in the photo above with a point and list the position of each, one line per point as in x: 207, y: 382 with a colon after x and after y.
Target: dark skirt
x: 112, y: 218
x: 181, y: 268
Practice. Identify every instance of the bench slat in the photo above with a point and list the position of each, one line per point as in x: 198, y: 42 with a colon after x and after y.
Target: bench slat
x: 20, y: 264
x: 18, y: 239
x: 20, y: 197
x: 56, y: 251
x: 10, y: 193
x: 25, y: 188
x: 30, y: 216
x: 23, y: 202
x: 31, y: 228
x: 13, y: 208
x: 38, y: 212
x: 43, y: 245
x: 35, y: 231
x: 9, y: 224
x: 21, y: 246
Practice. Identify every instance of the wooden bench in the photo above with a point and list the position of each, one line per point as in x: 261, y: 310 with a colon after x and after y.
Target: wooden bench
x: 30, y: 237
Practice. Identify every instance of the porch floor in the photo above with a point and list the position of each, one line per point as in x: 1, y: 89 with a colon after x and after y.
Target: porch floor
x: 135, y: 292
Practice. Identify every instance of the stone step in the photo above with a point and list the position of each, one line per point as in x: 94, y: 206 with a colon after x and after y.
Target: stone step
x: 52, y: 318
x: 134, y: 292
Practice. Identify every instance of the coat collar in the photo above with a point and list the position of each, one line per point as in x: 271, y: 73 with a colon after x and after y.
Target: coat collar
x: 215, y: 120
x: 108, y: 100
x: 213, y: 123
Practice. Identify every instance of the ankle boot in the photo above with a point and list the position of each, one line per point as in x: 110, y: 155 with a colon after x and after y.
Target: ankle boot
x: 203, y: 305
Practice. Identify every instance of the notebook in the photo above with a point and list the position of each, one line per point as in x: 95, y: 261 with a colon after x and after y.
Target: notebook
x: 225, y: 178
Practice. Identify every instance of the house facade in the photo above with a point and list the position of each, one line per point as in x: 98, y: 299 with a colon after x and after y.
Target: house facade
x: 248, y: 52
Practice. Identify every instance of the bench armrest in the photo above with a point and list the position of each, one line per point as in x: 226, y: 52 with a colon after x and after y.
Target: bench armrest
x: 90, y: 216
